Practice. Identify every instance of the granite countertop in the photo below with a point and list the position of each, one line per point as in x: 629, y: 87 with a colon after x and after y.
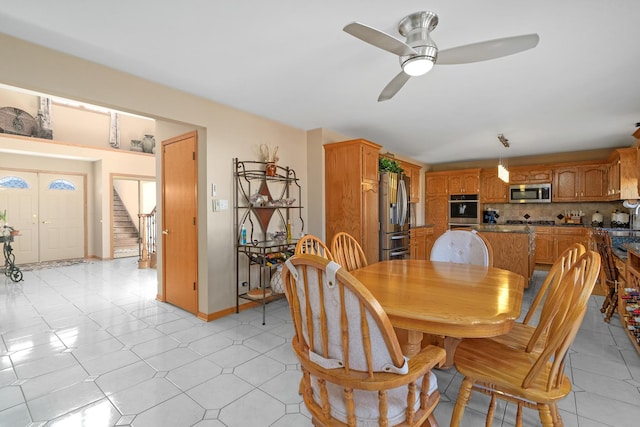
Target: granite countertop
x: 499, y: 228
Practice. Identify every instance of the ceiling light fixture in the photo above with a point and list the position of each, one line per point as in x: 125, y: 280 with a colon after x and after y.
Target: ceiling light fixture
x: 417, y: 65
x: 503, y: 171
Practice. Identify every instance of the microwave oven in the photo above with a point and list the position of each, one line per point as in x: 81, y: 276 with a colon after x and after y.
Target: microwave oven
x: 530, y: 193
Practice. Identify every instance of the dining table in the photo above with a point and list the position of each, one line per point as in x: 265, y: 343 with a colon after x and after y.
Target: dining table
x: 445, y: 299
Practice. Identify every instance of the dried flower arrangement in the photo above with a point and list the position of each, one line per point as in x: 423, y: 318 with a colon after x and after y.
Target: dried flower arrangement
x: 268, y: 153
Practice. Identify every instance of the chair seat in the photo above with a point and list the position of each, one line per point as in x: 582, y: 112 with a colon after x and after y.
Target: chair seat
x: 366, y: 411
x: 519, y: 337
x: 505, y: 368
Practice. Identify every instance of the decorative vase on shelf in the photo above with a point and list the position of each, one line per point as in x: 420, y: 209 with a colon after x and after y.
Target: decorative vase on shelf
x: 148, y: 144
x: 136, y: 145
x: 271, y: 169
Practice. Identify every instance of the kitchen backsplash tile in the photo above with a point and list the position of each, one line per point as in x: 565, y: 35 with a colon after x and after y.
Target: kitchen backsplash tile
x: 550, y: 211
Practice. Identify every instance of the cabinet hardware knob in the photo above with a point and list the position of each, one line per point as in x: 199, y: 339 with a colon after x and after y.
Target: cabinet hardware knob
x: 165, y: 231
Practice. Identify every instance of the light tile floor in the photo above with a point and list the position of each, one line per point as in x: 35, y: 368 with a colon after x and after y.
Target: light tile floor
x: 88, y: 345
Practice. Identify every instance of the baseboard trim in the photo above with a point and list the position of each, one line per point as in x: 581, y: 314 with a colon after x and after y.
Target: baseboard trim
x: 227, y: 311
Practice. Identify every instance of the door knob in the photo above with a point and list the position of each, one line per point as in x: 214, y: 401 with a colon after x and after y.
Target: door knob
x: 165, y: 231
x: 46, y: 222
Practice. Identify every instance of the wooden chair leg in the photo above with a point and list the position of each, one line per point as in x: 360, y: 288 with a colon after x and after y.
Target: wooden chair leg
x: 545, y: 415
x: 463, y: 398
x: 491, y: 411
x: 431, y: 422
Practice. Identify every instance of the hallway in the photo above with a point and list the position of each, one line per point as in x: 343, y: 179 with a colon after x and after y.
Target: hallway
x: 88, y: 344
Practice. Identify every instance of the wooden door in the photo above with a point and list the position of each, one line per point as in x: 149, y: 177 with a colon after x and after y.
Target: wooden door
x: 436, y: 184
x: 62, y: 216
x: 370, y: 204
x: 180, y: 222
x: 471, y: 184
x: 593, y: 182
x: 493, y: 189
x: 566, y: 184
x: 19, y: 197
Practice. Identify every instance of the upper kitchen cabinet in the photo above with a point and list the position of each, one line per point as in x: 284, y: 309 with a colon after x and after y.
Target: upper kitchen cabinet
x: 613, y: 176
x: 351, y: 193
x: 436, y: 183
x: 530, y: 175
x: 492, y: 188
x: 413, y: 172
x: 465, y: 181
x: 627, y: 174
x: 573, y: 183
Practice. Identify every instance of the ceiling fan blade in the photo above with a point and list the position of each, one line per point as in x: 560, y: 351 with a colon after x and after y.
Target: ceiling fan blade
x: 379, y: 39
x: 394, y: 86
x: 490, y: 49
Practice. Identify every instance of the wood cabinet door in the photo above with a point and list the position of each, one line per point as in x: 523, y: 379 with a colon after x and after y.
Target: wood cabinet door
x: 369, y: 162
x: 627, y: 175
x: 471, y: 184
x: 437, y: 213
x: 540, y: 176
x: 436, y: 184
x: 593, y: 183
x: 566, y: 184
x: 370, y: 220
x: 456, y: 184
x: 544, y: 249
x: 518, y: 176
x: 493, y: 189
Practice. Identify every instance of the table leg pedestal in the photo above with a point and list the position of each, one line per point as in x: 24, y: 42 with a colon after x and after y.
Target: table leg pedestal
x: 448, y: 343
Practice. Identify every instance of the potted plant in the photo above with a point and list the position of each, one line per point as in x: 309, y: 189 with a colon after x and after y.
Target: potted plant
x: 386, y: 164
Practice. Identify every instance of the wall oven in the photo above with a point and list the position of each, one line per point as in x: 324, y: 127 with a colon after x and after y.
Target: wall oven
x: 463, y: 210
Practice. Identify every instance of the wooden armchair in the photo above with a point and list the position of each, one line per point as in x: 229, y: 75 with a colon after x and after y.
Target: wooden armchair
x: 609, y: 275
x: 353, y: 371
x: 462, y: 247
x: 527, y: 336
x: 311, y: 244
x: 533, y: 380
x: 347, y: 251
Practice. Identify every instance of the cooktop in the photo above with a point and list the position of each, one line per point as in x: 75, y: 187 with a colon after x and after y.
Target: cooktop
x: 534, y: 222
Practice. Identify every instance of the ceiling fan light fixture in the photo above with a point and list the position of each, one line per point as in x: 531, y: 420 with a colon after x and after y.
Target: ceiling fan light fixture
x: 417, y: 66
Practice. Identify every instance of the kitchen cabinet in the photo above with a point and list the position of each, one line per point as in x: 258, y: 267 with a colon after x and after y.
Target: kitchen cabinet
x: 550, y: 242
x: 351, y: 195
x: 437, y: 213
x: 530, y: 175
x: 464, y: 181
x: 421, y: 242
x: 436, y: 183
x: 513, y: 251
x: 613, y: 177
x: 574, y: 183
x: 492, y: 188
x: 627, y: 174
x: 413, y: 172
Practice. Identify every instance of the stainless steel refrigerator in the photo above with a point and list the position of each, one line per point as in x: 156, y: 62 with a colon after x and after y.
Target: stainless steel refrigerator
x: 394, y: 216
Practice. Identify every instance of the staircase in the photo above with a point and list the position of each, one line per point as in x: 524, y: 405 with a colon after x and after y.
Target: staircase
x: 125, y: 233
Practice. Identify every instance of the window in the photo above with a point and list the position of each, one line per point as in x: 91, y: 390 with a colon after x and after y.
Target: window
x: 13, y: 182
x: 62, y: 184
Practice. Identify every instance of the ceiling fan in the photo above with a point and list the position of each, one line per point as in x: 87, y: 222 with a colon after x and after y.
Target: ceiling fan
x: 419, y: 53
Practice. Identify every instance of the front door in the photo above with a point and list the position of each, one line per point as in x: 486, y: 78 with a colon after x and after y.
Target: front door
x: 62, y: 225
x: 180, y: 222
x: 49, y: 210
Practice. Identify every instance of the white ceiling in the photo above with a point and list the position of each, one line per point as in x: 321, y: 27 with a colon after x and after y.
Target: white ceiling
x: 290, y: 61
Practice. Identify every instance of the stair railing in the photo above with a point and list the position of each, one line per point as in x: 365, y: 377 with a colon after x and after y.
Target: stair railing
x: 147, y: 240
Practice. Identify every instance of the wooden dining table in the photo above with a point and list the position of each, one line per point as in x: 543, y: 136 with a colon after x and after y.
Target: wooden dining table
x: 444, y: 299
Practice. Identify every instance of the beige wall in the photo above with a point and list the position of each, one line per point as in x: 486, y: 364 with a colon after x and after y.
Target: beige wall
x: 224, y: 133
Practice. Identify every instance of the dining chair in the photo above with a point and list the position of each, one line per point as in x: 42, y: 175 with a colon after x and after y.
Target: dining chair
x: 347, y: 251
x: 533, y: 380
x: 610, y: 277
x: 462, y: 247
x: 310, y: 244
x: 525, y: 335
x: 353, y: 370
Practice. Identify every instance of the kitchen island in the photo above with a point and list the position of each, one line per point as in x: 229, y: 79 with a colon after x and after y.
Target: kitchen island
x: 513, y: 247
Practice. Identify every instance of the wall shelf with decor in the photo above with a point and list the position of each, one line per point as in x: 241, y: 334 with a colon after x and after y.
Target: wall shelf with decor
x: 266, y: 201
